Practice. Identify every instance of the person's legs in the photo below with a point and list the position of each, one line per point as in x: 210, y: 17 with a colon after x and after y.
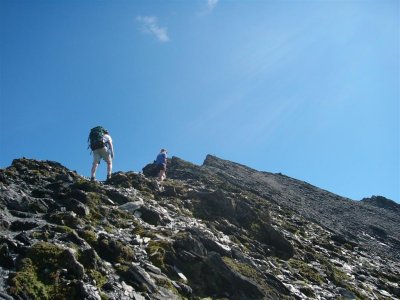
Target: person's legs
x: 93, y: 171
x: 109, y: 169
x: 96, y: 161
x: 108, y: 160
x: 161, y: 173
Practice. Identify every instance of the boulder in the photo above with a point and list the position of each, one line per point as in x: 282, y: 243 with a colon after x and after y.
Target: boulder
x: 132, y: 206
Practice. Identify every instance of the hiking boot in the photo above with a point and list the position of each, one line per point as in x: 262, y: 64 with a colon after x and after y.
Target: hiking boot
x: 108, y: 177
x: 92, y: 179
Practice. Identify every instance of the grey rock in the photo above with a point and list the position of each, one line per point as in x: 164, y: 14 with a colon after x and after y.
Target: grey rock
x: 77, y: 207
x: 4, y: 296
x: 345, y: 294
x: 6, y: 260
x: 87, y: 291
x: 152, y: 268
x: 132, y: 206
x: 141, y: 277
x: 184, y: 288
x: 75, y: 267
x: 23, y: 225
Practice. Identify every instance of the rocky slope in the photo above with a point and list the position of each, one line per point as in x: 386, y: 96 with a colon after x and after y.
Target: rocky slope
x: 216, y: 231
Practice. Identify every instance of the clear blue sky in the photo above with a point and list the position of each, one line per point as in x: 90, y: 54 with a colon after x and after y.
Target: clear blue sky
x: 306, y: 88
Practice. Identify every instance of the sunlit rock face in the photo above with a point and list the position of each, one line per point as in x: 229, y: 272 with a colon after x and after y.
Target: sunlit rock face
x: 217, y: 231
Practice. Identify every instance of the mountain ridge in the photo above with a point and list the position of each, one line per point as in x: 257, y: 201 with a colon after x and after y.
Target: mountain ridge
x: 316, y: 204
x: 220, y: 230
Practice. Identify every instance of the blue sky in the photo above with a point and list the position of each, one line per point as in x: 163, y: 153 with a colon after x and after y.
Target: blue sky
x: 306, y: 88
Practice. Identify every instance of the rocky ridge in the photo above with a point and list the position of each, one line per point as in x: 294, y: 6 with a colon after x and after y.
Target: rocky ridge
x: 216, y: 231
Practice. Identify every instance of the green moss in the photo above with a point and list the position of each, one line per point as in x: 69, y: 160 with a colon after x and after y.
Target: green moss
x: 41, y: 235
x: 122, y: 269
x: 357, y: 293
x: 255, y: 227
x: 103, y: 296
x: 253, y: 274
x: 87, y: 186
x: 89, y: 236
x: 166, y: 283
x: 390, y: 277
x: 114, y: 251
x: 97, y: 276
x: 327, y: 245
x: 65, y: 219
x: 339, y: 277
x: 47, y: 255
x: 157, y: 251
x: 94, y: 203
x: 243, y: 269
x: 290, y: 228
x: 306, y: 271
x: 109, y: 217
x: 121, y: 218
x: 109, y: 228
x: 302, y: 232
x: 126, y: 254
x: 138, y: 229
x: 26, y: 281
x: 63, y: 229
x: 38, y: 282
x: 348, y: 246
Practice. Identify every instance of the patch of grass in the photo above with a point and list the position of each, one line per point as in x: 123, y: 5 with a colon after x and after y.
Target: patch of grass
x: 114, y: 250
x: 243, y: 269
x: 97, y: 276
x: 138, y: 229
x: 109, y: 217
x: 122, y: 219
x: 339, y: 277
x: 87, y: 186
x: 157, y: 251
x: 41, y: 235
x: 65, y: 219
x: 38, y: 275
x: 103, y: 296
x: 63, y: 229
x: 122, y: 269
x: 47, y: 255
x: 166, y: 283
x: 89, y: 236
x: 26, y: 281
x: 306, y: 271
x: 290, y: 228
x: 348, y: 247
x: 253, y: 274
x: 94, y: 203
x: 255, y: 228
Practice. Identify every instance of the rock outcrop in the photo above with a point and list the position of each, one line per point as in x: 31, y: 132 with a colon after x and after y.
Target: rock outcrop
x: 216, y: 231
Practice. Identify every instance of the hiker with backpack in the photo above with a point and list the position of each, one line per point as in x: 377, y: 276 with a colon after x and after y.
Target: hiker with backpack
x: 102, y: 148
x: 161, y: 162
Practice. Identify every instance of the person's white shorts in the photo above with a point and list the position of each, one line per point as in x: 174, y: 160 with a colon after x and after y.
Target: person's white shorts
x: 101, y: 153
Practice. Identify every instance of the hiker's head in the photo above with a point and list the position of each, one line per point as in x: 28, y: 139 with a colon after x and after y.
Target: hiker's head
x: 106, y: 131
x: 163, y: 150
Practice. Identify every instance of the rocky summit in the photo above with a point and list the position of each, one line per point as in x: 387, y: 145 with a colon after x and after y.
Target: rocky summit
x: 216, y: 231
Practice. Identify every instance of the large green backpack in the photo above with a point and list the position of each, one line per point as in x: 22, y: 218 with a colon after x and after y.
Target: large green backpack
x: 95, y: 139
